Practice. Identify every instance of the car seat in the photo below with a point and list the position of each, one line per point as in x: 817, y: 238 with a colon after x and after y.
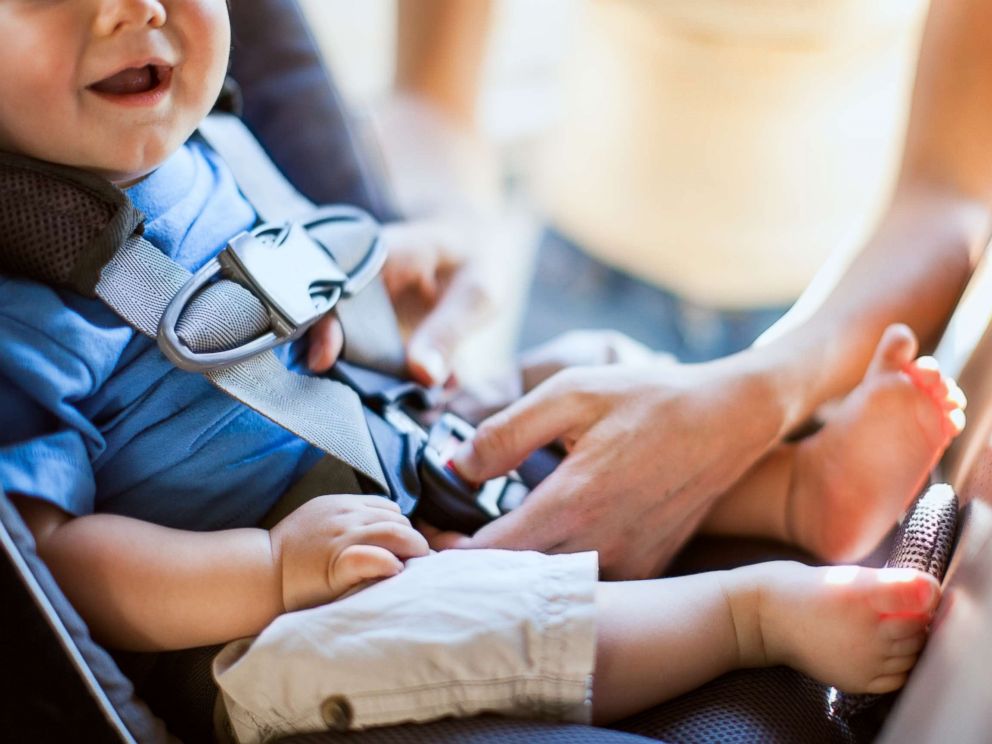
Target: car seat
x: 61, y: 686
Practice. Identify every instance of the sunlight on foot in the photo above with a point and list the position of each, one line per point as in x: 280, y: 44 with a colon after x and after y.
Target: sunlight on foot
x: 858, y: 629
x: 874, y: 455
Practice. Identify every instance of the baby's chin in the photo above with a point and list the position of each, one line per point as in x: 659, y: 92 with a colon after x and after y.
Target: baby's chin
x: 124, y: 179
x: 124, y: 163
x: 124, y: 173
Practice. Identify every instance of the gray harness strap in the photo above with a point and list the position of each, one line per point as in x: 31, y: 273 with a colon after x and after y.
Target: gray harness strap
x: 138, y: 283
x: 67, y: 228
x: 372, y: 336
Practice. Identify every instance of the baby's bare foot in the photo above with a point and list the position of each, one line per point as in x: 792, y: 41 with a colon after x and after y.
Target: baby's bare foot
x: 857, y: 475
x: 858, y: 629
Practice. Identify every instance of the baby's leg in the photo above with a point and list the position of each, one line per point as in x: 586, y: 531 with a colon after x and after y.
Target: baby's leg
x: 855, y: 628
x: 837, y: 492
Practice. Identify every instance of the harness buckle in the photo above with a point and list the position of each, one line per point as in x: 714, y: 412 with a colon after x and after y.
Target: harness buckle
x: 447, y: 500
x: 295, y: 277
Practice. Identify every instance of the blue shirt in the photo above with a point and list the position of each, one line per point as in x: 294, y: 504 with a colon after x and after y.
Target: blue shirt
x: 94, y: 418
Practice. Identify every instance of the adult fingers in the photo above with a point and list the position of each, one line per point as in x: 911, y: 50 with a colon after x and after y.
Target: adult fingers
x: 505, y: 439
x: 419, y: 254
x: 442, y: 539
x: 541, y: 522
x: 326, y: 341
x: 464, y: 305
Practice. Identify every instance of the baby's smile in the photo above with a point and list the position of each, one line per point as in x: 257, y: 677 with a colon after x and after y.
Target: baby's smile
x: 138, y: 85
x: 110, y: 86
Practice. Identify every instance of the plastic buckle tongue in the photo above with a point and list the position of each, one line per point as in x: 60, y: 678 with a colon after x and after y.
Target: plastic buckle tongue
x: 296, y: 278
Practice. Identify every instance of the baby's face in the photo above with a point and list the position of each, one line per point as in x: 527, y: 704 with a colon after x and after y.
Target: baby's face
x: 111, y: 86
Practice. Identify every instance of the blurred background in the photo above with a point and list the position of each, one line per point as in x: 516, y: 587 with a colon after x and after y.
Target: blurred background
x: 518, y: 94
x: 518, y: 100
x: 678, y: 169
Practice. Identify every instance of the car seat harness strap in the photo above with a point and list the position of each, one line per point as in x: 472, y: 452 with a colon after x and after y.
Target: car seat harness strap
x: 268, y: 286
x: 371, y: 333
x: 71, y: 229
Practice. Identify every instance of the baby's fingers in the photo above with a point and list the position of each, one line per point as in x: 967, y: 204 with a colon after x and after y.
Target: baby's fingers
x: 359, y: 563
x: 399, y: 539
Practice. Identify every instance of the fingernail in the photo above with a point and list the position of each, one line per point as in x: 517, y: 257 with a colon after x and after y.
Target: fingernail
x: 461, y: 461
x: 453, y: 467
x: 956, y: 396
x: 958, y: 420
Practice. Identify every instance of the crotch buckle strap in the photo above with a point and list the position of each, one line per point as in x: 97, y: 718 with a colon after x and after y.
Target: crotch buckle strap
x: 295, y: 276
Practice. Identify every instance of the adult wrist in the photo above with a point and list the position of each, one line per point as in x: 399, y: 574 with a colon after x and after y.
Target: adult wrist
x: 779, y: 379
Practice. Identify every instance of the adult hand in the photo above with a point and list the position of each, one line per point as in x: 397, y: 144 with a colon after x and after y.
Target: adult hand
x: 440, y: 292
x: 650, y: 447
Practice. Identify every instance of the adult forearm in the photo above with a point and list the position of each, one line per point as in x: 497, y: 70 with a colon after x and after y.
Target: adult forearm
x: 440, y: 50
x: 144, y: 587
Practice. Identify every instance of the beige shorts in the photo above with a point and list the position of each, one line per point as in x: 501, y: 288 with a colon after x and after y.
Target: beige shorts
x: 456, y: 633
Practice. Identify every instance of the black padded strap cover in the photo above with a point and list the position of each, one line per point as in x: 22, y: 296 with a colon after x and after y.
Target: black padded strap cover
x: 60, y: 225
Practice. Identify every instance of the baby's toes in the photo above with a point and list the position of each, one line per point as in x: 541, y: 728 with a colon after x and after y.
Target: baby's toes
x: 948, y: 398
x: 887, y: 683
x: 904, y: 591
x: 895, y: 665
x: 955, y: 397
x: 910, y: 646
x: 902, y: 631
x: 955, y: 421
x: 926, y: 375
x: 953, y: 405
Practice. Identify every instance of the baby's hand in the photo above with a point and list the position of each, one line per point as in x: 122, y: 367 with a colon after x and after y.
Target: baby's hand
x: 333, y: 543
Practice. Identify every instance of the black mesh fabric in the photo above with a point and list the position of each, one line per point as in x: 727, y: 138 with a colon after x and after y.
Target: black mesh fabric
x: 46, y: 223
x: 924, y: 541
x: 59, y: 225
x: 754, y: 705
x: 926, y: 537
x: 479, y: 730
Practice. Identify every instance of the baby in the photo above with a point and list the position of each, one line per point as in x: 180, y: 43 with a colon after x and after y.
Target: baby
x: 143, y: 484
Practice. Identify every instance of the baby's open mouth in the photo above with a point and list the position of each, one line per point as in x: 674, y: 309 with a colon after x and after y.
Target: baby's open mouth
x: 134, y: 81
